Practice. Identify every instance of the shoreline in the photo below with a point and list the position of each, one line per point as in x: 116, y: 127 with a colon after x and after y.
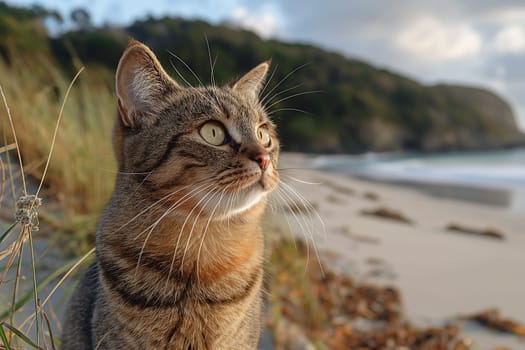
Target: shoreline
x: 491, y: 196
x: 497, y: 194
x: 441, y: 274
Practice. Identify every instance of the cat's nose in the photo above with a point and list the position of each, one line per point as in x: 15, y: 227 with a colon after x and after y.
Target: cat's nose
x: 261, y: 158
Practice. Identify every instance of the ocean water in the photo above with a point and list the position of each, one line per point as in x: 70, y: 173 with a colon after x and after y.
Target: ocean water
x: 490, y: 177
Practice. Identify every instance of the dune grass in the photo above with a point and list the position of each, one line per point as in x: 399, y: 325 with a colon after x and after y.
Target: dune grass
x: 75, y: 186
x: 81, y: 173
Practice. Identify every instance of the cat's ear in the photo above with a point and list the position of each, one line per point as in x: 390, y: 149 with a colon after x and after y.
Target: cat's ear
x: 252, y: 82
x: 140, y: 83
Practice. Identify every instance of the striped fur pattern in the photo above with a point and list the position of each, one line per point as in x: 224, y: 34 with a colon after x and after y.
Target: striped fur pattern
x: 179, y: 247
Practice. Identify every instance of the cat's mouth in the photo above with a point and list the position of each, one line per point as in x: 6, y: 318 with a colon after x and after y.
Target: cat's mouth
x: 260, y: 185
x: 262, y: 181
x: 251, y: 195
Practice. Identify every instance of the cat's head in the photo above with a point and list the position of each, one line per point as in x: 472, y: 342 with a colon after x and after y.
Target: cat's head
x: 211, y: 148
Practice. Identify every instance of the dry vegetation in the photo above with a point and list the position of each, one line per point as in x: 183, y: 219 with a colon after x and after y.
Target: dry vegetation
x: 337, y: 312
x: 81, y: 171
x: 77, y: 183
x: 389, y: 214
x: 481, y: 232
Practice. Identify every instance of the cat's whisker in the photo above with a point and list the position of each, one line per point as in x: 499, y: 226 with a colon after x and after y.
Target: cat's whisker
x: 288, y: 188
x: 289, y: 109
x: 310, y: 227
x: 229, y: 205
x: 142, y: 182
x: 302, y: 181
x: 292, y: 207
x: 267, y: 83
x: 307, y: 204
x: 150, y: 207
x: 182, y: 231
x: 152, y: 227
x: 223, y: 193
x: 275, y: 205
x: 191, y: 211
x: 186, y: 80
x: 146, y: 241
x: 187, y: 67
x: 284, y: 79
x: 214, y: 96
x: 101, y: 341
x: 288, y: 169
x: 158, y: 203
x: 311, y: 208
x: 212, y: 65
x: 180, y: 75
x: 173, y: 207
x: 292, y: 96
x: 215, y: 194
x: 270, y: 98
x: 193, y: 73
x: 284, y: 203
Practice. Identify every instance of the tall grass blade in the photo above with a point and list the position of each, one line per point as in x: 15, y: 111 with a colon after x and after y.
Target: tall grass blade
x: 3, y: 336
x: 56, y: 129
x: 14, y: 136
x: 22, y: 336
x: 50, y: 330
x: 17, y: 280
x: 35, y: 290
x: 24, y: 299
x: 7, y: 148
x: 68, y: 273
x: 7, y: 232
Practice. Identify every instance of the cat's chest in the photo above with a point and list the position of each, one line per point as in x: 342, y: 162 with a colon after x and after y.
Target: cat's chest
x: 188, y: 325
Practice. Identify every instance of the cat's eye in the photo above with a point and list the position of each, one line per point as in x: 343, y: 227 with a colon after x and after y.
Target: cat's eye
x: 264, y: 137
x: 213, y: 133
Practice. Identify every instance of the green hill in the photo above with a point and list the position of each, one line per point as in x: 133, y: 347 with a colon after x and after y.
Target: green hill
x: 351, y: 106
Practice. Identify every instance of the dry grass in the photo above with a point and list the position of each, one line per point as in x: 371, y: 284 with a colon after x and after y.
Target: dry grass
x: 82, y: 169
x: 79, y: 179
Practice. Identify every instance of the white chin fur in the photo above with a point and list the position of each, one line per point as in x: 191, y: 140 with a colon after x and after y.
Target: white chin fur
x: 244, y: 203
x: 234, y: 204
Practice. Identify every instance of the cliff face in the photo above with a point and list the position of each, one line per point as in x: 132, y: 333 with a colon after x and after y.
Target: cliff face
x: 351, y: 106
x: 480, y: 120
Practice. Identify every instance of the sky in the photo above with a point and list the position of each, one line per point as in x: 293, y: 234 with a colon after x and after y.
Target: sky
x: 469, y: 42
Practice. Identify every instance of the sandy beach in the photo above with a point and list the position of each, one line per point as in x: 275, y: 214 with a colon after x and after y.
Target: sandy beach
x: 440, y: 273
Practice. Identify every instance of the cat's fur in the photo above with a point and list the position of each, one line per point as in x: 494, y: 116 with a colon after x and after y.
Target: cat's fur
x: 179, y: 247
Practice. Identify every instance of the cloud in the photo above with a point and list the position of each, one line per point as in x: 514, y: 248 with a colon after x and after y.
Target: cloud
x: 511, y: 39
x: 431, y: 40
x: 263, y: 23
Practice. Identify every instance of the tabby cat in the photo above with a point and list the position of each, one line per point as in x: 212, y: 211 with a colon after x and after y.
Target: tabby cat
x: 179, y: 247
